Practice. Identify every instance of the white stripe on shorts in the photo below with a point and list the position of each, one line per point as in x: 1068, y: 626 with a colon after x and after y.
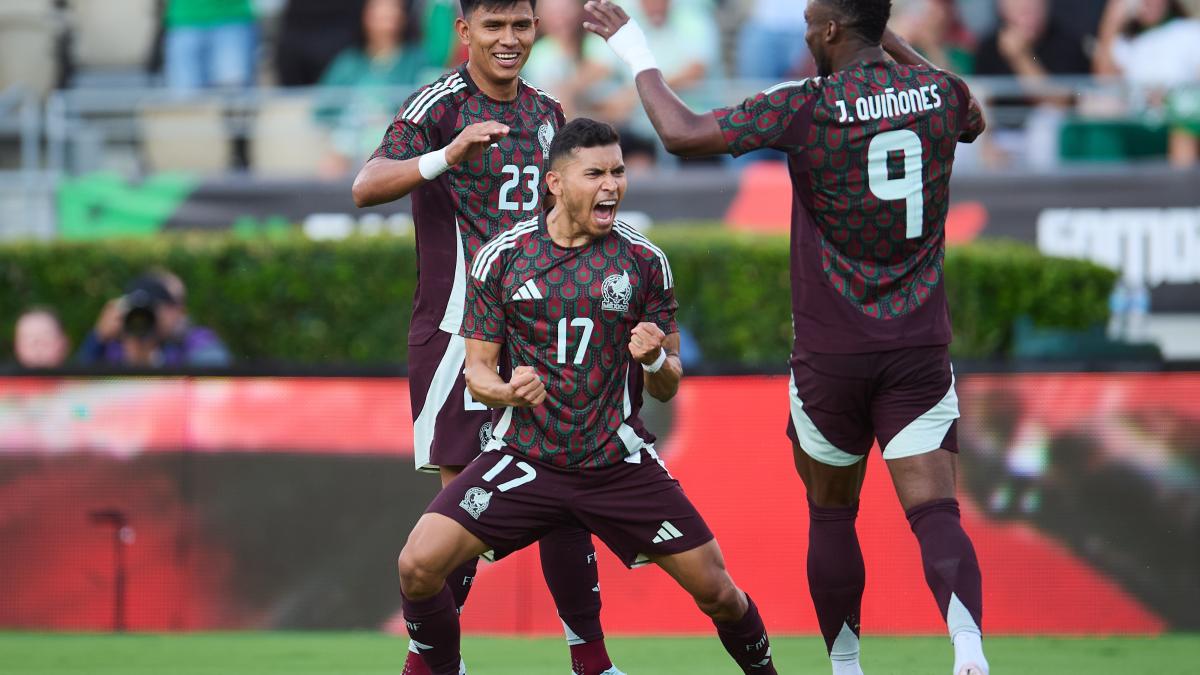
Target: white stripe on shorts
x: 926, y: 433
x: 439, y: 390
x: 812, y: 441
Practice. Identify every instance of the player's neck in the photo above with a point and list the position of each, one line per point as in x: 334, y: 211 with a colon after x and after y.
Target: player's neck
x: 564, y: 232
x: 862, y: 54
x: 505, y: 90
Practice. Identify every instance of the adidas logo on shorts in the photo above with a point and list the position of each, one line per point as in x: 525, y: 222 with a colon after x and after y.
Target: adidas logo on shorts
x: 667, y: 532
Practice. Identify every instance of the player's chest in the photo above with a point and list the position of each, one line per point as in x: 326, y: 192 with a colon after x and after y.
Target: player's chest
x: 524, y: 149
x: 596, y: 288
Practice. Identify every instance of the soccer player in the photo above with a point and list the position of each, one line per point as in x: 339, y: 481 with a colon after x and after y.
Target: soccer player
x: 470, y: 148
x: 583, y: 307
x: 870, y: 147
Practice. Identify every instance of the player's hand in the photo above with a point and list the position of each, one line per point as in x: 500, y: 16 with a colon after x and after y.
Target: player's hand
x: 604, y: 17
x: 644, y: 342
x: 471, y: 143
x: 528, y: 389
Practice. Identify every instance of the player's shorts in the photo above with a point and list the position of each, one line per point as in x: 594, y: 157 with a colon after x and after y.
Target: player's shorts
x: 448, y: 425
x: 842, y: 403
x: 637, y: 509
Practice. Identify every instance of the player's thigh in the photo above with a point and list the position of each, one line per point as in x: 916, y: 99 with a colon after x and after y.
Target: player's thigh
x: 450, y: 428
x: 701, y: 572
x: 639, y: 511
x: 436, y: 546
x: 925, y: 477
x: 506, y: 501
x: 830, y: 423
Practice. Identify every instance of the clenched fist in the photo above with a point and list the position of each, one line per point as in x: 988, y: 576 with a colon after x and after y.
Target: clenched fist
x: 470, y: 144
x: 528, y: 389
x: 644, y: 342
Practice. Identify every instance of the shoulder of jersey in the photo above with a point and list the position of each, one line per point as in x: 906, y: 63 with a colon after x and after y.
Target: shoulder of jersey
x: 433, y: 97
x: 642, y: 245
x: 546, y: 98
x: 495, y: 247
x: 808, y: 85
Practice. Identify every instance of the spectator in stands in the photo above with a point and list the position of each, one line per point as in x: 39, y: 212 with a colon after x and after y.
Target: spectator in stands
x: 367, y: 82
x: 311, y: 34
x: 555, y: 58
x: 686, y: 42
x: 771, y: 42
x: 210, y: 43
x: 149, y: 326
x: 935, y: 28
x: 1155, y: 46
x: 443, y: 49
x: 39, y: 340
x: 1028, y: 44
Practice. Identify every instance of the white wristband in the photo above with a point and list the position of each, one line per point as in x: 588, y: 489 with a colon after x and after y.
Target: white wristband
x: 629, y: 42
x: 658, y: 363
x: 433, y: 164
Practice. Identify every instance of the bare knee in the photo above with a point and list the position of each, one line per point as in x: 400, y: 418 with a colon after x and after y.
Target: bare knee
x: 420, y: 576
x: 721, y: 600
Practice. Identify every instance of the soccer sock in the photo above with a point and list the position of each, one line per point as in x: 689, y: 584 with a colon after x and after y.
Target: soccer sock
x: 569, y: 565
x: 434, y: 629
x: 746, y: 641
x: 460, y: 581
x: 951, y: 569
x: 836, y: 577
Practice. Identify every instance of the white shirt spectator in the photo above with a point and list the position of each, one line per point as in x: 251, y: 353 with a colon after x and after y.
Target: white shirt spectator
x: 1166, y: 56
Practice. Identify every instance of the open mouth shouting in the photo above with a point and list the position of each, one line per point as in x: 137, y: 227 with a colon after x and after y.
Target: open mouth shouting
x: 604, y: 213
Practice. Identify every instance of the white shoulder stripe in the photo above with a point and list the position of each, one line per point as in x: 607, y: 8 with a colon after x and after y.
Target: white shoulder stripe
x: 541, y: 91
x: 790, y: 84
x: 492, y: 250
x: 635, y: 237
x: 441, y: 95
x: 430, y: 91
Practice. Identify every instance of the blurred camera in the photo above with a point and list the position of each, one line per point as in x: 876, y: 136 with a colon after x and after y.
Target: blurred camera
x: 139, y: 307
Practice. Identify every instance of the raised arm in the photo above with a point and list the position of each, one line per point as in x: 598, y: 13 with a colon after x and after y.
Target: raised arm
x: 658, y: 354
x: 524, y: 390
x: 683, y: 131
x: 384, y: 180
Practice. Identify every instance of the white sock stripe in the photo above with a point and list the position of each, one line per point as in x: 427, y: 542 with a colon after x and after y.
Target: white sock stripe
x: 430, y: 91
x: 425, y: 108
x: 635, y: 237
x: 491, y: 250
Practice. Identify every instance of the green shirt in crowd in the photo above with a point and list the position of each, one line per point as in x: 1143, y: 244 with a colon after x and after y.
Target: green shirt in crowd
x: 182, y: 13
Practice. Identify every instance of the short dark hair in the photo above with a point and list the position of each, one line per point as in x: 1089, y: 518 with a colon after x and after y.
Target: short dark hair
x: 868, y: 18
x: 469, y: 6
x: 581, y: 133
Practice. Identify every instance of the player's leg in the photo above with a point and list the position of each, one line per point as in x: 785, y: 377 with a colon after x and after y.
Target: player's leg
x: 916, y: 413
x: 568, y: 558
x: 436, y: 546
x: 701, y: 572
x: 462, y: 577
x: 831, y: 433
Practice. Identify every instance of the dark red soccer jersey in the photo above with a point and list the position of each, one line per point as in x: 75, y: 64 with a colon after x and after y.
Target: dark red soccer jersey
x: 466, y: 206
x: 870, y: 150
x: 568, y: 313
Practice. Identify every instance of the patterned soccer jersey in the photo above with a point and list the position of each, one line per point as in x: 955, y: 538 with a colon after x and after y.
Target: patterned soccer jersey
x: 466, y: 206
x: 870, y: 151
x: 568, y: 313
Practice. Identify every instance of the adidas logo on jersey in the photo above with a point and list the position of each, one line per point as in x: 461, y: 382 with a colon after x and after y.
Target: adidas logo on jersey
x: 667, y: 532
x: 528, y: 291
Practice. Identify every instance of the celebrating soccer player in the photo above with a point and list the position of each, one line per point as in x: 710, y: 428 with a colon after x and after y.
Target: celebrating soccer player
x: 470, y: 149
x: 583, y: 308
x: 870, y: 146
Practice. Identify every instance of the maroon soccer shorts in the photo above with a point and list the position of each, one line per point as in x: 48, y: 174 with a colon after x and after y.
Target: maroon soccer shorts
x: 637, y: 509
x: 842, y: 403
x: 449, y: 427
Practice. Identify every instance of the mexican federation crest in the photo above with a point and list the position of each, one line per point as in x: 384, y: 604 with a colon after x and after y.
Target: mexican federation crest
x: 617, y: 290
x: 546, y: 137
x: 485, y: 435
x: 476, y: 501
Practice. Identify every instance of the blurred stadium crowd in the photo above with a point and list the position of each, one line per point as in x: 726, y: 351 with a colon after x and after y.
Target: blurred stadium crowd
x: 1065, y: 80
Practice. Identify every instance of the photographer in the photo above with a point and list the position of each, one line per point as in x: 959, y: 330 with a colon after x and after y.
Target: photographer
x: 148, y: 326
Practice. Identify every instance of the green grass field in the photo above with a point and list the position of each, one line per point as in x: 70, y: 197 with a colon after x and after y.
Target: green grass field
x: 373, y: 654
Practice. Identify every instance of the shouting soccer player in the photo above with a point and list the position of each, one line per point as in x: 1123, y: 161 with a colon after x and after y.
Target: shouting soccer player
x: 470, y: 149
x: 584, y: 308
x: 870, y: 146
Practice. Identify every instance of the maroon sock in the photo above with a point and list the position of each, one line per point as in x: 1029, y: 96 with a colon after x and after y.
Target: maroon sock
x: 746, y: 641
x: 951, y: 568
x: 836, y: 574
x: 569, y: 565
x: 460, y: 581
x: 433, y: 626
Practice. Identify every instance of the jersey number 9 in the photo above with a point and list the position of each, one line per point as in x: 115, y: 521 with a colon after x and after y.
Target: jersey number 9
x: 910, y: 188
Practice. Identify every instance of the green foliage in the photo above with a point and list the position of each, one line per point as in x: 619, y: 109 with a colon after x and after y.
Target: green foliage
x: 283, y: 298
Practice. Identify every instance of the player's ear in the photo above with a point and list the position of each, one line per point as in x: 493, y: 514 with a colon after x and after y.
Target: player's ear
x: 463, y: 29
x: 554, y: 183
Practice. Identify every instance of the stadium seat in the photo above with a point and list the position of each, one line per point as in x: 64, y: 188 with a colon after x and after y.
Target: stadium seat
x: 112, y: 34
x: 185, y: 137
x: 285, y: 140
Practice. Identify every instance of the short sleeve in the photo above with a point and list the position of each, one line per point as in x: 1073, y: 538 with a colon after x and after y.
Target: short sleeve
x: 971, y: 114
x: 660, y: 299
x: 406, y: 138
x: 767, y: 119
x: 483, y: 315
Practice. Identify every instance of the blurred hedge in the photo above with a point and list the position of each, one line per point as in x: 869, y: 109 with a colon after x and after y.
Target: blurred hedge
x: 288, y: 299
